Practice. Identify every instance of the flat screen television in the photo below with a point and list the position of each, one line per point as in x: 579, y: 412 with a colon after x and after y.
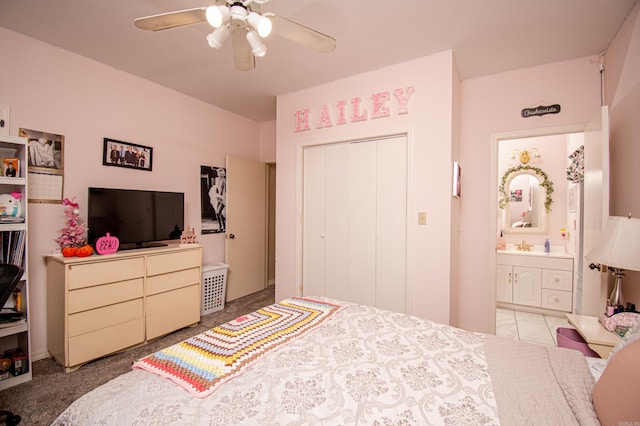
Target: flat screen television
x: 138, y: 218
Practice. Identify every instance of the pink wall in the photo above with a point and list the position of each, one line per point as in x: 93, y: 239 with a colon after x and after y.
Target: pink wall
x: 268, y: 141
x: 492, y: 105
x: 53, y: 90
x: 622, y: 93
x: 429, y: 123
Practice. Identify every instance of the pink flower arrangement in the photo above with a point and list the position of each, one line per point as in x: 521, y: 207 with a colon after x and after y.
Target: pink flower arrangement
x: 72, y: 235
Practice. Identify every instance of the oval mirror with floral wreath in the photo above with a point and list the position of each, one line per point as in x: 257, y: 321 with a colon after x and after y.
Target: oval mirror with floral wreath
x: 525, y: 198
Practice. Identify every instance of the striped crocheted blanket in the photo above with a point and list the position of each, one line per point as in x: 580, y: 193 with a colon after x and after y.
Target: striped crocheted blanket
x: 204, y: 362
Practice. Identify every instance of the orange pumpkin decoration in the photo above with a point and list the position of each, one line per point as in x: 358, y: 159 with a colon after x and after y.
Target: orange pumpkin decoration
x: 69, y: 251
x: 84, y: 251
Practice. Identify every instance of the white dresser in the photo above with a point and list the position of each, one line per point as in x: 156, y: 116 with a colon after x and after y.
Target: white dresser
x: 99, y: 305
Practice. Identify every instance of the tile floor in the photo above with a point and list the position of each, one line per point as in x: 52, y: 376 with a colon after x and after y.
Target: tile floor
x: 535, y: 328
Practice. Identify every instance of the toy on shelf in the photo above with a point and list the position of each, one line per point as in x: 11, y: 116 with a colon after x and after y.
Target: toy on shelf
x: 11, y: 207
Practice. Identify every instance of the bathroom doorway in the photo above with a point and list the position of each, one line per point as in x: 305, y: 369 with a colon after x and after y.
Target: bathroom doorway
x: 567, y: 198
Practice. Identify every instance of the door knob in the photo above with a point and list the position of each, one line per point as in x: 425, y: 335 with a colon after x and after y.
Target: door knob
x: 231, y: 236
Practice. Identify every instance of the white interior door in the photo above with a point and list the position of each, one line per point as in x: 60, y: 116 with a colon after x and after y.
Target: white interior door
x: 592, y: 295
x: 246, y: 242
x: 355, y: 222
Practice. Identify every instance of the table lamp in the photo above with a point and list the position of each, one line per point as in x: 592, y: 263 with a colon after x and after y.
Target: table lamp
x: 619, y: 249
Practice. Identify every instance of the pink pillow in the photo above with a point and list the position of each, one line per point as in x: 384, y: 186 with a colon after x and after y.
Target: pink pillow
x: 615, y: 394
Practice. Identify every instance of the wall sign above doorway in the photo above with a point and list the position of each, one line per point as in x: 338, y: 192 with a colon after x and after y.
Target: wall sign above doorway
x: 540, y: 110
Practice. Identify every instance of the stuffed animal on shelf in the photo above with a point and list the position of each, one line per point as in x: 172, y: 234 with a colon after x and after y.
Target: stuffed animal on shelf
x: 11, y: 204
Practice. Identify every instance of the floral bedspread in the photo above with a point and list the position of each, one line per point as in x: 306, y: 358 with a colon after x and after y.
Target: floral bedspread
x: 363, y: 366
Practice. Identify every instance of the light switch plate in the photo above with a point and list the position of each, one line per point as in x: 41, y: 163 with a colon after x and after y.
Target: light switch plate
x: 422, y: 218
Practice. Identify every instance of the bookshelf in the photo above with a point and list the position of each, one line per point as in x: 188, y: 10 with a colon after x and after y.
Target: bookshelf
x: 13, y: 237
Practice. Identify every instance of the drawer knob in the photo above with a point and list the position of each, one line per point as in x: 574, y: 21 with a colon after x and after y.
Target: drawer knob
x: 557, y: 299
x: 557, y: 280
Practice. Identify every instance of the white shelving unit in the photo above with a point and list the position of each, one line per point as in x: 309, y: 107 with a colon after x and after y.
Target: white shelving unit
x: 17, y: 334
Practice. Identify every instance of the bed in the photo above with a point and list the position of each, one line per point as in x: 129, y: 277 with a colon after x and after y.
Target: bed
x: 323, y: 361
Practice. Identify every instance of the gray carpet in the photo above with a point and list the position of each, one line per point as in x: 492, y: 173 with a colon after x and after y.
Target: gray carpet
x: 42, y: 399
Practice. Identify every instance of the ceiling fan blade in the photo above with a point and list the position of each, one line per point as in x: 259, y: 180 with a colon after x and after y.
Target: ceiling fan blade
x: 242, y: 51
x: 301, y: 34
x: 165, y: 21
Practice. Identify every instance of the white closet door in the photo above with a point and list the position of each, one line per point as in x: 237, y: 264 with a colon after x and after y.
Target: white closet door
x: 391, y: 208
x: 313, y: 261
x: 362, y: 182
x: 337, y: 222
x: 355, y: 222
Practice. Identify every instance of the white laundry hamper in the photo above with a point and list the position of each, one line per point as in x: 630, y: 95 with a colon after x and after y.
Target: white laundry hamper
x: 214, y: 287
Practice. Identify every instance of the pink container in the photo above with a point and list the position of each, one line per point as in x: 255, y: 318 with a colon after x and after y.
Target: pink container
x: 571, y: 339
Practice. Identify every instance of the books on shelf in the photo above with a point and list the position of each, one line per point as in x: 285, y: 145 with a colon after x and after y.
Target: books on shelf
x: 12, y: 245
x: 10, y: 167
x: 11, y: 219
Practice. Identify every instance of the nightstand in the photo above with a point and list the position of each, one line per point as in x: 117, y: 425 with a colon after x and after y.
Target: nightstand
x: 597, y: 337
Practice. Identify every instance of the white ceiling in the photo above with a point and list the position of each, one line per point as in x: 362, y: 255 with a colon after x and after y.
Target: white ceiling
x: 487, y: 37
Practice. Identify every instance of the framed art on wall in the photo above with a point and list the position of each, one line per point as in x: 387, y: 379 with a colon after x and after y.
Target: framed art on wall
x: 126, y: 154
x: 213, y: 189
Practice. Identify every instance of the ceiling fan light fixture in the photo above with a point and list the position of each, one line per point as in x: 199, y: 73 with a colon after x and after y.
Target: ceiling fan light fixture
x: 257, y: 46
x: 218, y: 37
x: 217, y: 15
x: 260, y: 23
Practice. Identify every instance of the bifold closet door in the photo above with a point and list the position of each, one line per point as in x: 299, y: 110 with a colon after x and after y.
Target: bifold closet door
x: 354, y: 232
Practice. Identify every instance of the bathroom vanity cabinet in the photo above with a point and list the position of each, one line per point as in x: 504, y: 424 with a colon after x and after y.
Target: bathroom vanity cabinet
x: 535, y: 280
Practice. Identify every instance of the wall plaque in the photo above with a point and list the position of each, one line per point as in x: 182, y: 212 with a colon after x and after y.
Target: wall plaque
x: 540, y: 110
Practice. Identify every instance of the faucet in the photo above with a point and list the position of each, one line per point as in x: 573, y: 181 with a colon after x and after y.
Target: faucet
x: 523, y: 246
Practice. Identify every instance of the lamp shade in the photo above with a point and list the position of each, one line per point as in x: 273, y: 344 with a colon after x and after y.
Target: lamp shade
x: 259, y: 23
x: 217, y: 15
x: 619, y: 245
x: 218, y: 36
x: 257, y: 46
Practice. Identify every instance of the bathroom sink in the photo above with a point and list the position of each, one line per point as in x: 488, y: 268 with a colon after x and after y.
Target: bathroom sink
x: 536, y: 250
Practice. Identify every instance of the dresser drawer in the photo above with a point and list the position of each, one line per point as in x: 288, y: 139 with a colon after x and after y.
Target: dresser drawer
x: 172, y: 310
x: 87, y: 347
x: 107, y: 316
x: 556, y: 299
x: 174, y: 261
x: 557, y: 280
x: 172, y: 280
x: 102, y: 295
x: 95, y: 273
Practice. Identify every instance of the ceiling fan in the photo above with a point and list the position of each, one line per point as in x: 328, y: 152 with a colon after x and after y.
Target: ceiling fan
x: 245, y: 23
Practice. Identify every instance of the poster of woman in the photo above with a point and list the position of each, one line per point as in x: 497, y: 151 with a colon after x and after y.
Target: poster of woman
x: 213, y: 189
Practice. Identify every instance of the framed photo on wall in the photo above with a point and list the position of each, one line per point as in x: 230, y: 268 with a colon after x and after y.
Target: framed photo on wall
x: 126, y: 154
